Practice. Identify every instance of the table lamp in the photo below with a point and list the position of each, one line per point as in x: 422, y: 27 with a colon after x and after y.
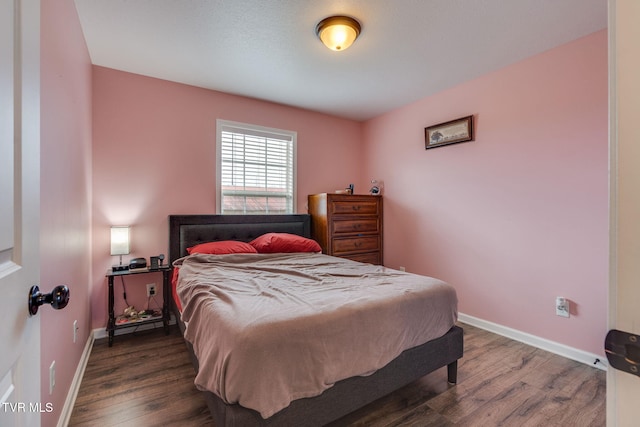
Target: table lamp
x: 119, y: 243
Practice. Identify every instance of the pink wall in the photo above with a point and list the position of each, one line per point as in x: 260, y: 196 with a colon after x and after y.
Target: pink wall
x: 520, y: 215
x: 512, y: 219
x: 154, y: 155
x: 65, y: 194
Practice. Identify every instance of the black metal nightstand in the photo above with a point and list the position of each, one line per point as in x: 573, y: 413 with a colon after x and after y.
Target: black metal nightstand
x: 166, y: 294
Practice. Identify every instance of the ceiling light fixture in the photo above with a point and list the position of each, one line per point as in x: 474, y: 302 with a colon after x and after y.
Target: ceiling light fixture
x: 338, y: 32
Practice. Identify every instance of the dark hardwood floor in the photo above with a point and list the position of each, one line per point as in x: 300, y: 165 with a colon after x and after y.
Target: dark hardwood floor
x: 146, y: 379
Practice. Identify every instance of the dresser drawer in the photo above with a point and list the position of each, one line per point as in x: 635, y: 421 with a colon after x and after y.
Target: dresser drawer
x: 354, y: 207
x: 349, y: 226
x: 355, y: 244
x: 363, y: 225
x: 367, y: 257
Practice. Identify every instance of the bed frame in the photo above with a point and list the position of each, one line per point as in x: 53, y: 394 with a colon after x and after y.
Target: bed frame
x: 345, y: 396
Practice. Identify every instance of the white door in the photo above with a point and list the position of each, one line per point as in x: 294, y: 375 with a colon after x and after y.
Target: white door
x: 623, y: 389
x: 20, y: 401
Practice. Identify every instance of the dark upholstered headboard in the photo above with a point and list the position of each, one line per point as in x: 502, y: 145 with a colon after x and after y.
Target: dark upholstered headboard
x: 188, y: 230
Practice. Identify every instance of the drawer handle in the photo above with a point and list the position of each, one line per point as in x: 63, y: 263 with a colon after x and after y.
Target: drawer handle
x: 356, y: 207
x: 357, y: 244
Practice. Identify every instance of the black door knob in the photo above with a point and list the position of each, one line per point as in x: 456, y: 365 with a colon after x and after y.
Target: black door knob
x: 58, y: 298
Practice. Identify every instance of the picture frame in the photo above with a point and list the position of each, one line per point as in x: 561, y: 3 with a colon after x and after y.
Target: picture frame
x: 447, y: 133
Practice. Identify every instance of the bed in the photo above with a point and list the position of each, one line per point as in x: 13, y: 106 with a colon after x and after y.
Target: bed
x: 343, y: 396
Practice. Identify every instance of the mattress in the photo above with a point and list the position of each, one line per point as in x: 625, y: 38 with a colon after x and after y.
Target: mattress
x: 268, y: 329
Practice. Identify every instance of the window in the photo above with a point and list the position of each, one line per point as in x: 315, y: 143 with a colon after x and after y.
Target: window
x: 256, y: 169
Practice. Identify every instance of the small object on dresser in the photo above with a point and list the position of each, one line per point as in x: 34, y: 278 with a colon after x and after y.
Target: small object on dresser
x: 376, y: 187
x: 348, y: 190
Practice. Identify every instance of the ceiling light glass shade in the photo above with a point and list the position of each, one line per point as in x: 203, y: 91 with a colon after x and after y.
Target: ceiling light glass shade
x: 119, y: 240
x: 338, y: 32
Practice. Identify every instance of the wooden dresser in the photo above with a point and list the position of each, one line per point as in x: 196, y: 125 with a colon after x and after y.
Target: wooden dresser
x: 348, y: 226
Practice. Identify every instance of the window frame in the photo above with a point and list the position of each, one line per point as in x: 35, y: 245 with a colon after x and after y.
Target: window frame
x: 225, y: 125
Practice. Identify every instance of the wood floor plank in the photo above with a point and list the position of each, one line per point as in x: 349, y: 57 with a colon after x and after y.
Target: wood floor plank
x: 143, y: 380
x: 146, y: 379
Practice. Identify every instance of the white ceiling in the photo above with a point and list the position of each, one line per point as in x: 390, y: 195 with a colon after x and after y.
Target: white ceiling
x: 268, y: 49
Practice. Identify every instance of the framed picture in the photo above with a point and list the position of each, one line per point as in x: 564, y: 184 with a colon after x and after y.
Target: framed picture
x: 452, y: 132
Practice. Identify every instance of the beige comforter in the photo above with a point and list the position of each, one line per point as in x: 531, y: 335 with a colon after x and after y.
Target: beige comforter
x: 271, y: 328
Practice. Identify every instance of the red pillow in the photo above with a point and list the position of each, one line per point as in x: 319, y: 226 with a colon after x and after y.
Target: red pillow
x: 222, y: 247
x: 271, y: 243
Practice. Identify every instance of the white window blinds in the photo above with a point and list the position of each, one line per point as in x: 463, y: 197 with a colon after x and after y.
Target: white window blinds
x: 256, y: 168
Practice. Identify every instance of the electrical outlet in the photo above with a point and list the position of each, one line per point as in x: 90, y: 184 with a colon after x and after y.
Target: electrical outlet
x: 151, y: 289
x: 75, y: 331
x: 401, y: 268
x: 52, y: 376
x: 562, y: 307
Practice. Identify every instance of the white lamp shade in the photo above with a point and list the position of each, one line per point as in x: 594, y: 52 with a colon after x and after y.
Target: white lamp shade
x: 119, y: 240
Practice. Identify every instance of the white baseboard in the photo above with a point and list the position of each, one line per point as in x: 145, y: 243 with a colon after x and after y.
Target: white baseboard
x: 69, y: 403
x: 587, y: 358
